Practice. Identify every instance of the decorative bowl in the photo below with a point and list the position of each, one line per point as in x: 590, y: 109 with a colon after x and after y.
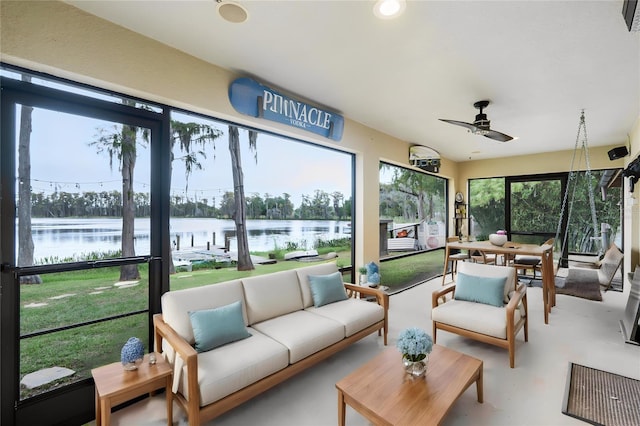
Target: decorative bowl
x: 497, y: 239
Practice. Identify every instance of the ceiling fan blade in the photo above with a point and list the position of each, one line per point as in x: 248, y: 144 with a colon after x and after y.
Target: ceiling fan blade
x: 469, y: 126
x: 500, y: 137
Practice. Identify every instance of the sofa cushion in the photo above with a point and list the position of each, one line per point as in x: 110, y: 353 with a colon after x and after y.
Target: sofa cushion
x: 218, y: 326
x: 478, y: 317
x: 269, y: 296
x: 232, y: 367
x: 354, y: 315
x: 327, y: 289
x: 177, y: 304
x: 303, y: 274
x: 302, y: 332
x: 473, y: 288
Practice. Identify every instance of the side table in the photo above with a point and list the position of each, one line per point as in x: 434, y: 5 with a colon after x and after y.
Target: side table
x: 115, y: 385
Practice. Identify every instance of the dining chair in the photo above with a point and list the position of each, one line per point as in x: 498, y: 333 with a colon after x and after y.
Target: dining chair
x: 480, y: 256
x: 532, y: 263
x: 455, y: 255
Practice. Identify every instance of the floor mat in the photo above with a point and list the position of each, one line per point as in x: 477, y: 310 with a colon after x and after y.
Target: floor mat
x: 601, y: 398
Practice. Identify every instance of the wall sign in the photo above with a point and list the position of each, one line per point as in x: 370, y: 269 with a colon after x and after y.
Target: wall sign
x: 252, y: 98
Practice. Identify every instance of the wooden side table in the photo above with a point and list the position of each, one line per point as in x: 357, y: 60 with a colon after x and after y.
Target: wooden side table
x: 115, y: 385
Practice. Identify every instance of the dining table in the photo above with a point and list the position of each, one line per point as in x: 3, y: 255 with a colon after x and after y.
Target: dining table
x: 544, y: 251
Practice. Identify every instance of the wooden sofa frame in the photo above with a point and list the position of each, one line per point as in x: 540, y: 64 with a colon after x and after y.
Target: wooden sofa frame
x: 197, y: 415
x: 512, y: 329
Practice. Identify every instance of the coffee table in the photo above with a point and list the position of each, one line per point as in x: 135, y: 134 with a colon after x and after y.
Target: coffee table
x: 382, y: 392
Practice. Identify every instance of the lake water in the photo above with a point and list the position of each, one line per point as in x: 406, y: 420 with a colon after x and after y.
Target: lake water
x: 67, y: 237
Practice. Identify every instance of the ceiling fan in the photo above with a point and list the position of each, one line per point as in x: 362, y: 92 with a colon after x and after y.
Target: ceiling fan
x: 481, y: 126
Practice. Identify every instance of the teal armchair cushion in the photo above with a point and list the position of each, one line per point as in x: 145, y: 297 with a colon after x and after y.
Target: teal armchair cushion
x: 487, y: 290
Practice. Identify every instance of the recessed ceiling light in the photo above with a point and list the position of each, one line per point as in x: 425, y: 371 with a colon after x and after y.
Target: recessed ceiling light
x: 389, y: 9
x: 232, y: 12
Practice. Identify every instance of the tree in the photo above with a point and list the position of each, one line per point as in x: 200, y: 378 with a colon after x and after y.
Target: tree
x: 122, y: 145
x: 412, y: 193
x: 189, y: 137
x: 337, y: 200
x: 25, y: 238
x: 240, y: 213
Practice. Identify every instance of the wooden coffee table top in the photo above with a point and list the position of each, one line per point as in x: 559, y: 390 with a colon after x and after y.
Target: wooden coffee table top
x: 382, y: 392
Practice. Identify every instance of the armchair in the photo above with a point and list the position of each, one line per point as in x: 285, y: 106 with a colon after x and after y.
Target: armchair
x: 486, y: 307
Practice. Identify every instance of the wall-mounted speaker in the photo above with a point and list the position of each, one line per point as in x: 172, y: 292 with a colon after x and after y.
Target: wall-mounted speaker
x: 618, y: 152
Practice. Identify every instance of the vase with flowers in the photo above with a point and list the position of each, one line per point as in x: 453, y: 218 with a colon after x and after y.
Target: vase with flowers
x: 415, y: 345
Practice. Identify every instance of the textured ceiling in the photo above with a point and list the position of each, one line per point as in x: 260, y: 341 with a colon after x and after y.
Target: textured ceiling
x: 539, y: 63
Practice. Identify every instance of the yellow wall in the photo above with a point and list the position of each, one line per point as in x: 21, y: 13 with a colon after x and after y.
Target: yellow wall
x: 58, y: 39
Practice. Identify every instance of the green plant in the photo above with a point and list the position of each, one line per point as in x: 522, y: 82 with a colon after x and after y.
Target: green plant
x: 362, y: 270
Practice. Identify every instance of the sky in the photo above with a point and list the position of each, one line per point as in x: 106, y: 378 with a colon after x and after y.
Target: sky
x: 63, y: 159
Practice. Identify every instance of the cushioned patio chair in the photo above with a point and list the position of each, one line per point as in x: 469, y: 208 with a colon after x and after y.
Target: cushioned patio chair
x: 486, y: 306
x: 602, y: 271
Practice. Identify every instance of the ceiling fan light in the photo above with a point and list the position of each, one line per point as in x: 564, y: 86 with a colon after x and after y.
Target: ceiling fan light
x: 389, y: 9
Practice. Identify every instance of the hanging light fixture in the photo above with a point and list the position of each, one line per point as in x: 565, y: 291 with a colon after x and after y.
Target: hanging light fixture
x: 389, y: 9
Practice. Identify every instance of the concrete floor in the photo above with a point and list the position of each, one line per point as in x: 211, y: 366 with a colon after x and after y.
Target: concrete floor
x: 580, y: 331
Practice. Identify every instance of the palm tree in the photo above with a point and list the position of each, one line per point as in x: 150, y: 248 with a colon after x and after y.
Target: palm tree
x: 190, y: 137
x: 122, y: 145
x: 240, y: 213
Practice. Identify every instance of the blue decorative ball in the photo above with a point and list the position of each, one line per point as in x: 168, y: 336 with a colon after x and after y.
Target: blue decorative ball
x: 132, y: 351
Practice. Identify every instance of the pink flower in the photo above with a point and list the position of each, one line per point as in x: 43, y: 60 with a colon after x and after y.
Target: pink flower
x: 501, y: 232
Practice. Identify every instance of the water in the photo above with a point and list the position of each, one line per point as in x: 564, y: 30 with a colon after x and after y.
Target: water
x: 68, y: 237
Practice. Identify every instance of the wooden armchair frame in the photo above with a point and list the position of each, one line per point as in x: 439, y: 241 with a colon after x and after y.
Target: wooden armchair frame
x: 520, y: 295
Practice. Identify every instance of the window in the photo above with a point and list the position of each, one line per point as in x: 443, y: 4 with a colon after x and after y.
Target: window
x: 413, y: 218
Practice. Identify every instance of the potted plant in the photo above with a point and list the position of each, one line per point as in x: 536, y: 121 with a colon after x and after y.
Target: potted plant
x: 363, y: 275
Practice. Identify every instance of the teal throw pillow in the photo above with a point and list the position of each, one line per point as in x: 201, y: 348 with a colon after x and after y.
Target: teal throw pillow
x: 487, y: 290
x: 327, y: 289
x: 217, y: 327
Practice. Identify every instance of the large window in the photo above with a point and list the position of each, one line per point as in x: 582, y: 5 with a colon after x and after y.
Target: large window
x: 298, y: 200
x: 98, y: 213
x: 413, y: 218
x: 77, y: 257
x: 486, y: 207
x: 581, y: 210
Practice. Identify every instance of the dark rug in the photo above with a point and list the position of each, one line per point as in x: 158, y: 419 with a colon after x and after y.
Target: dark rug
x: 601, y: 398
x: 575, y: 286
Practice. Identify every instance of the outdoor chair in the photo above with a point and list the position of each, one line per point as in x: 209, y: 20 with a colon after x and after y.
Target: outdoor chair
x: 486, y: 306
x: 532, y: 263
x: 602, y: 271
x: 455, y: 256
x: 482, y: 257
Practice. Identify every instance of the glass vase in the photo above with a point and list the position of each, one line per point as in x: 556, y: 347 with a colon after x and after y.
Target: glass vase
x: 415, y: 368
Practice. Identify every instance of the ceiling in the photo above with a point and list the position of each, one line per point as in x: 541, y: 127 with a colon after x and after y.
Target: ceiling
x: 539, y: 63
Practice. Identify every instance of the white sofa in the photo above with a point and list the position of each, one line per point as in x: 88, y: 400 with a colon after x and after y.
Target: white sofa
x: 288, y: 335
